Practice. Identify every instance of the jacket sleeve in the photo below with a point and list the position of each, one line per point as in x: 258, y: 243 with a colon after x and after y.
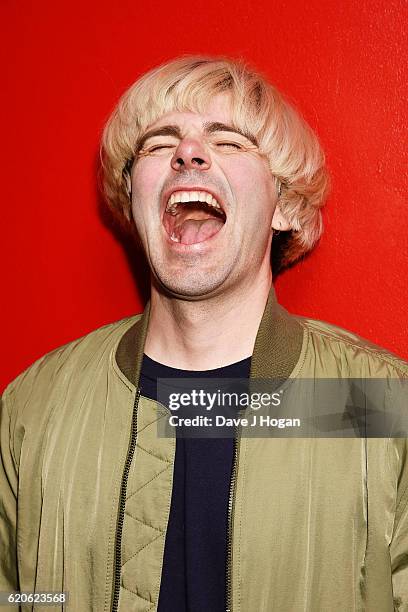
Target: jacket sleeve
x: 399, y: 543
x: 8, y: 505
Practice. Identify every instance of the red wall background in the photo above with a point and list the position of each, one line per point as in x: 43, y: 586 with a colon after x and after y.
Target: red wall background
x: 66, y: 64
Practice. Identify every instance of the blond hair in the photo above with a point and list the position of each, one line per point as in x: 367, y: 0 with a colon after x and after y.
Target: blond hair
x: 292, y: 149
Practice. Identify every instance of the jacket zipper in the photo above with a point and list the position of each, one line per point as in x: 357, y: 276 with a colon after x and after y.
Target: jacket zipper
x: 231, y: 503
x: 122, y: 504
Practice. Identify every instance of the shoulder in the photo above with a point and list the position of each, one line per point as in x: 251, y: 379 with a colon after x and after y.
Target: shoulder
x: 355, y: 355
x: 80, y: 355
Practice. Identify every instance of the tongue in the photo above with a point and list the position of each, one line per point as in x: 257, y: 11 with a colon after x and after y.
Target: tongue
x: 194, y: 230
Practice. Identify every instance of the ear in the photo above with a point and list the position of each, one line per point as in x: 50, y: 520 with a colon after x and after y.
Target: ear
x: 128, y: 184
x: 279, y: 222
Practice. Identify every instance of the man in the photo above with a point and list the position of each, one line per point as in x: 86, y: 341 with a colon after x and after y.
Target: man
x: 206, y: 161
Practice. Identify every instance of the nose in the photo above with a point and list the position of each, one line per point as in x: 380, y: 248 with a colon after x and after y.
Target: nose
x: 190, y: 154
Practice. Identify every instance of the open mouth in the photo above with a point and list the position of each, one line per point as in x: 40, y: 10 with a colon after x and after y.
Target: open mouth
x: 192, y: 216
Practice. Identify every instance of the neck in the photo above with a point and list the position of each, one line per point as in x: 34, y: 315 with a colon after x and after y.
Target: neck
x: 209, y: 333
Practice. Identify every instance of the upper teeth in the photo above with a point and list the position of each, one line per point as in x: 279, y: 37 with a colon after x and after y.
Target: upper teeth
x: 190, y: 196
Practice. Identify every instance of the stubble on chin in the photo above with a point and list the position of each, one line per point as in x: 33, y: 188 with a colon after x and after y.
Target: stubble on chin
x: 187, y: 279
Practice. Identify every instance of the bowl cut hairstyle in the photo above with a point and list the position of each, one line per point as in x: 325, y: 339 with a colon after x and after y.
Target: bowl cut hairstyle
x: 290, y: 146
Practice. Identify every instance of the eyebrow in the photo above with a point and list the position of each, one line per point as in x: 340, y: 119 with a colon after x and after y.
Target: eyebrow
x: 165, y: 130
x: 216, y: 126
x: 209, y: 128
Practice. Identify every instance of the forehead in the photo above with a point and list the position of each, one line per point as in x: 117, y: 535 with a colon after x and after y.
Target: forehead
x: 219, y: 109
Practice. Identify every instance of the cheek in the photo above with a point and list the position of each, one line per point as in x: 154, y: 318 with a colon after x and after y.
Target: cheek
x: 145, y: 175
x: 255, y: 192
x: 145, y: 189
x: 250, y: 175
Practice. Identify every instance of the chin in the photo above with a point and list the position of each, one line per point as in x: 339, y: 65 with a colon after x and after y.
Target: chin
x: 190, y: 287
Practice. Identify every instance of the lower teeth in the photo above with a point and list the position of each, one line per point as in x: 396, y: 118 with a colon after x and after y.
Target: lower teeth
x: 174, y: 238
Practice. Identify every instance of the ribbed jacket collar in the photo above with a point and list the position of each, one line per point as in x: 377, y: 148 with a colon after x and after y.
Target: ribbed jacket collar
x: 277, y: 346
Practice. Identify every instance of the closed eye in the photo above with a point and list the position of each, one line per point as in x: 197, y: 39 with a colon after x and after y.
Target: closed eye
x: 155, y: 149
x: 158, y: 147
x: 233, y: 145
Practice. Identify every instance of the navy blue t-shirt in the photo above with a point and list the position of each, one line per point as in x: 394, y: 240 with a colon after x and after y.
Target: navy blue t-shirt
x: 194, y: 565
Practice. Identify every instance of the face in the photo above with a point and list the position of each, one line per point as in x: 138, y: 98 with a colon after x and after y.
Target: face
x: 203, y: 199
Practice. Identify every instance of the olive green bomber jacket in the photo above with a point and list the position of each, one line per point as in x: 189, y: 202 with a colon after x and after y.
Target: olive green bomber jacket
x: 85, y: 483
